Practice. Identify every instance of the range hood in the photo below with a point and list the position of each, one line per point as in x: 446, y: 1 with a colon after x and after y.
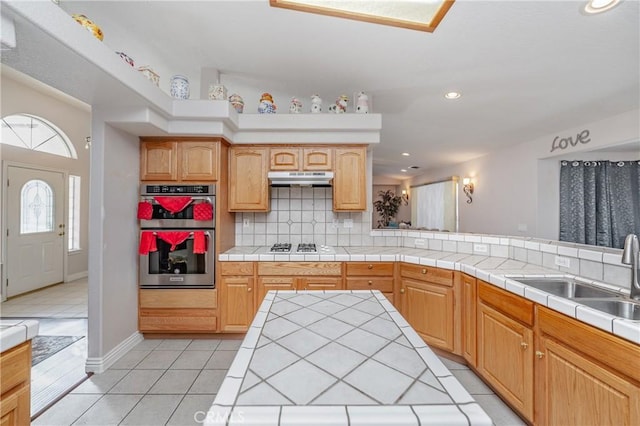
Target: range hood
x: 300, y: 178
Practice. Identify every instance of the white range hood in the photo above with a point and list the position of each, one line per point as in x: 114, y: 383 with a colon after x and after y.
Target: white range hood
x: 300, y: 178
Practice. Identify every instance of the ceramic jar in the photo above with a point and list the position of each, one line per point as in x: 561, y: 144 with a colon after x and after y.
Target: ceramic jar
x: 217, y: 92
x: 316, y: 104
x: 179, y: 87
x: 126, y: 58
x: 266, y: 104
x: 362, y: 104
x: 295, y: 107
x: 89, y: 25
x: 236, y: 102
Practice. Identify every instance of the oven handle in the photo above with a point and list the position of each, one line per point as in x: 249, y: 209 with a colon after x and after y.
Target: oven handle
x: 151, y: 199
x: 177, y: 230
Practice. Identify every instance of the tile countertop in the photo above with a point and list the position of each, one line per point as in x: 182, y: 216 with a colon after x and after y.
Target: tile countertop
x: 347, y: 357
x: 498, y: 271
x: 15, y: 332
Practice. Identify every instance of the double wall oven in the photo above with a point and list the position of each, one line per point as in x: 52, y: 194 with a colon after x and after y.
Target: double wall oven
x: 177, y: 236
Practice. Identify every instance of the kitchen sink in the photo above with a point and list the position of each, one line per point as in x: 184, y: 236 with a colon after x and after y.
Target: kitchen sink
x: 566, y: 288
x: 620, y: 308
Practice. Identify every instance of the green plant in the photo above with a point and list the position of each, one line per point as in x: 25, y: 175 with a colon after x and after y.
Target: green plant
x: 387, y: 206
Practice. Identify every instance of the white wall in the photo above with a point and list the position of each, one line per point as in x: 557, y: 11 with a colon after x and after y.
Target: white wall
x: 113, y: 274
x: 515, y: 188
x: 75, y: 121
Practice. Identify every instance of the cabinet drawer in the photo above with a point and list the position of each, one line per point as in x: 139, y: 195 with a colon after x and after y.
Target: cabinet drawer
x: 15, y: 365
x: 370, y: 268
x: 178, y: 298
x: 514, y: 306
x: 236, y: 268
x: 385, y: 285
x: 168, y: 320
x: 299, y: 268
x: 427, y: 273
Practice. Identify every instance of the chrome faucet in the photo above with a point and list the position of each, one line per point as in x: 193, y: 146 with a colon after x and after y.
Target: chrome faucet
x: 631, y: 256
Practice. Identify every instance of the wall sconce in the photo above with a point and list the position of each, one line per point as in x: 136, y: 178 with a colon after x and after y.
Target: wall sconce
x: 87, y: 144
x: 405, y: 197
x: 467, y: 187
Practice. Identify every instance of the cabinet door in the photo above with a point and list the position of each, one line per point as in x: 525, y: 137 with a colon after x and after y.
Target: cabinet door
x: 198, y: 161
x: 284, y: 159
x: 469, y: 319
x: 158, y: 161
x: 429, y: 309
x: 248, y: 185
x: 320, y: 283
x: 317, y: 159
x: 580, y: 392
x: 15, y: 408
x: 350, y: 180
x: 273, y: 283
x: 237, y: 303
x: 505, y: 357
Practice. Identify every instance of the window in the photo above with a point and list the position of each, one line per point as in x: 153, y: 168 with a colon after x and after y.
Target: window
x: 74, y: 213
x: 37, y: 134
x: 36, y: 214
x: 435, y: 206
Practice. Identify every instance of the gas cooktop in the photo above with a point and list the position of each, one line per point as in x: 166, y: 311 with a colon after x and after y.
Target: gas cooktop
x: 287, y: 248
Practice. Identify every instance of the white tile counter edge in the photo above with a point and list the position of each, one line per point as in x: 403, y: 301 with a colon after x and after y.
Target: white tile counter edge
x: 473, y: 265
x: 15, y: 332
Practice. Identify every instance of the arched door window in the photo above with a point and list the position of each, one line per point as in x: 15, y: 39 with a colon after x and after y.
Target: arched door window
x: 36, y: 214
x: 35, y: 133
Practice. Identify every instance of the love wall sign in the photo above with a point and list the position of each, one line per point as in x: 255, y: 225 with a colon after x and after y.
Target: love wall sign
x: 564, y: 143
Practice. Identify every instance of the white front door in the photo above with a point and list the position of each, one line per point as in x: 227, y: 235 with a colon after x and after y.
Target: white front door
x: 35, y: 225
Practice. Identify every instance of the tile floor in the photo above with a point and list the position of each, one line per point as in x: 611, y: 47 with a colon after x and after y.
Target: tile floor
x: 67, y: 300
x: 174, y: 382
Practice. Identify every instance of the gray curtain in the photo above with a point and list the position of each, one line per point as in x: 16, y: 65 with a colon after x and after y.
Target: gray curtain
x: 599, y: 201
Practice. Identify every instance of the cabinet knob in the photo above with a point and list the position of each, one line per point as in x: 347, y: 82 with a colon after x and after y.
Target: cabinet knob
x: 370, y: 282
x: 524, y: 345
x: 249, y: 289
x: 402, y: 290
x: 424, y: 270
x: 539, y: 354
x: 370, y: 267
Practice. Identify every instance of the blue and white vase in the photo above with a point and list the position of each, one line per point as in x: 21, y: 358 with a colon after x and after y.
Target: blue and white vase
x: 179, y: 87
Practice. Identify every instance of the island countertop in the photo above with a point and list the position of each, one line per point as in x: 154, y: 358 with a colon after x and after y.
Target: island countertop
x: 16, y: 331
x: 342, y: 357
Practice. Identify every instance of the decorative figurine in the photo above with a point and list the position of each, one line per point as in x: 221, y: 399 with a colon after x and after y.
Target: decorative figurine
x: 237, y: 102
x: 126, y: 58
x: 89, y: 25
x: 266, y: 104
x: 340, y: 106
x: 362, y: 104
x: 179, y: 87
x: 217, y: 92
x: 316, y: 104
x: 150, y: 74
x: 295, y: 107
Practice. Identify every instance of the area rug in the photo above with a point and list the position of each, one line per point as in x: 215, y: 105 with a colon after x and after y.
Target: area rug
x: 42, y: 347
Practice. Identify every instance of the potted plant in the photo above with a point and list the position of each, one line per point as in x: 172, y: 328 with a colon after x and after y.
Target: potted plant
x: 387, y: 206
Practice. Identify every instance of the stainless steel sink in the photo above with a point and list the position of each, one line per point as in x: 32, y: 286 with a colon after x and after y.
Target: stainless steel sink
x: 620, y: 308
x: 566, y: 288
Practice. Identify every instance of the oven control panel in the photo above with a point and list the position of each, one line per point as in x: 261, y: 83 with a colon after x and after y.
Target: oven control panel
x: 177, y: 189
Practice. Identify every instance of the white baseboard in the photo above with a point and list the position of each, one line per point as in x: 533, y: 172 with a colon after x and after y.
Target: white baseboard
x: 100, y: 364
x: 77, y: 276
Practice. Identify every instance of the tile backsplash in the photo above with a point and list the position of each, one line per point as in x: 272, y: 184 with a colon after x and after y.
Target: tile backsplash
x: 303, y: 215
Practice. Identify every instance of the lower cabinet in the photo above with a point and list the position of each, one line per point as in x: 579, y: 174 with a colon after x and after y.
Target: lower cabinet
x: 427, y: 300
x: 469, y: 341
x: 237, y: 296
x: 178, y: 310
x: 585, y: 376
x: 15, y: 385
x: 371, y: 276
x: 265, y: 284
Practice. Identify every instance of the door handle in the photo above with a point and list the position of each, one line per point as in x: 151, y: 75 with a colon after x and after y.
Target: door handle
x: 61, y: 234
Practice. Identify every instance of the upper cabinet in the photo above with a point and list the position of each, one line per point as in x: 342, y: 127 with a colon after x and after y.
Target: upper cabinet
x: 301, y: 159
x: 248, y: 184
x: 350, y: 179
x: 178, y: 160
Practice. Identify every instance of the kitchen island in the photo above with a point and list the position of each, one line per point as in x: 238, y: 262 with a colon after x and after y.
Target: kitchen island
x: 338, y: 358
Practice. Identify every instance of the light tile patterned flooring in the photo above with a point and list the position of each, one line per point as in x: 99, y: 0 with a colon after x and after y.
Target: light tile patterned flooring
x: 67, y: 300
x: 174, y: 382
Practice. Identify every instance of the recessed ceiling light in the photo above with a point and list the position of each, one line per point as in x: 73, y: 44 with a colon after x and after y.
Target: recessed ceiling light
x: 403, y: 170
x: 599, y: 6
x: 406, y: 154
x: 452, y: 95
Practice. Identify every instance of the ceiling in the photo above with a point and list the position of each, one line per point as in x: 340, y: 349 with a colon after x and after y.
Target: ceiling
x: 525, y: 69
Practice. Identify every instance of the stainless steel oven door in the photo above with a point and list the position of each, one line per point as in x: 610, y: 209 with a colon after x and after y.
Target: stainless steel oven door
x: 186, y: 218
x: 178, y: 268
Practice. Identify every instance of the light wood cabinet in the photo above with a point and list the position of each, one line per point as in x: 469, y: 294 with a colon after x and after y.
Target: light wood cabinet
x: 178, y: 161
x: 15, y: 385
x: 350, y: 179
x: 284, y: 159
x: 584, y: 376
x: 177, y: 310
x: 469, y: 319
x: 300, y: 159
x: 317, y: 159
x: 428, y: 304
x: 505, y: 345
x: 248, y: 184
x: 371, y: 276
x: 237, y: 296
